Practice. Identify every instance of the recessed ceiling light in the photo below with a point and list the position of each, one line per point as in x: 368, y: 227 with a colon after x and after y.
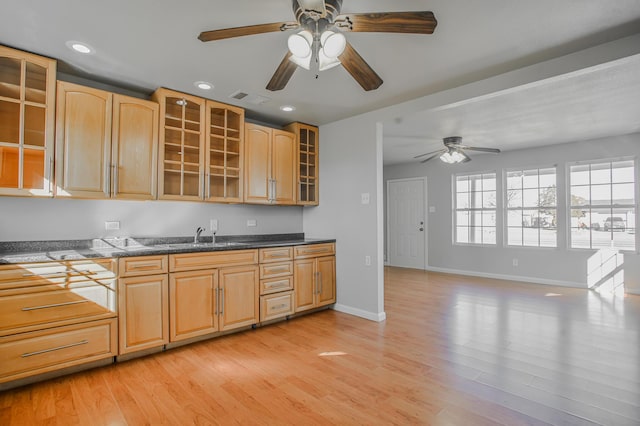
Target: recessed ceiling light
x: 204, y: 85
x: 79, y: 47
x: 287, y: 108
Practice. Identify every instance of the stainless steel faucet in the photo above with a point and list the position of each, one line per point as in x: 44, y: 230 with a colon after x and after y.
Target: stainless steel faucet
x: 197, y: 237
x: 213, y: 237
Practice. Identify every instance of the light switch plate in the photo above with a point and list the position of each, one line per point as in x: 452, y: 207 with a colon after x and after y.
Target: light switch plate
x: 112, y: 225
x: 252, y: 222
x: 432, y: 209
x: 214, y: 225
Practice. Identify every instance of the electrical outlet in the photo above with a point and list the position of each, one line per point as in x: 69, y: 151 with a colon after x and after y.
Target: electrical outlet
x: 515, y: 261
x: 213, y: 225
x: 365, y: 198
x: 367, y: 260
x: 112, y: 225
x: 252, y: 222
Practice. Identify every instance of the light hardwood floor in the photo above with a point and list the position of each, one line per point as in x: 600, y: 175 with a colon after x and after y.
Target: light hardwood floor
x: 454, y: 350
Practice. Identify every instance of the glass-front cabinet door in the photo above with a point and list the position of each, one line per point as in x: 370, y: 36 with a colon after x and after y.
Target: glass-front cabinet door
x: 307, y: 163
x: 182, y: 137
x: 224, y: 157
x: 27, y: 106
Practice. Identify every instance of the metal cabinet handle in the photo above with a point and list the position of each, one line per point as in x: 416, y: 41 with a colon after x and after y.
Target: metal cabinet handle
x: 320, y: 281
x: 53, y: 305
x: 274, y: 307
x: 115, y: 179
x: 44, y: 351
x: 221, y: 301
x: 215, y: 301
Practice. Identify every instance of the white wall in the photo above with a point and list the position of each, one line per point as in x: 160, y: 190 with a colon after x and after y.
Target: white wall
x: 559, y: 265
x: 31, y: 219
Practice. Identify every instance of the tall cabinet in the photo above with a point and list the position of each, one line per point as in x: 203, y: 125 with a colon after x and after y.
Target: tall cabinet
x: 106, y: 144
x: 27, y: 102
x: 269, y: 165
x: 307, y: 163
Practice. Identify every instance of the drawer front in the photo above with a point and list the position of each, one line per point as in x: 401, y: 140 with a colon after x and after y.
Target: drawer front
x: 32, y: 274
x: 275, y: 254
x: 273, y: 270
x: 276, y: 285
x: 314, y: 250
x: 30, y: 311
x: 276, y: 306
x: 38, y: 352
x: 195, y: 261
x: 143, y: 265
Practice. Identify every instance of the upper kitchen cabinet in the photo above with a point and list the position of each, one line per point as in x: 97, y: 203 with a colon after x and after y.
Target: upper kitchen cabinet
x: 182, y: 145
x: 269, y: 165
x: 307, y: 158
x: 106, y: 144
x: 27, y: 107
x: 224, y: 152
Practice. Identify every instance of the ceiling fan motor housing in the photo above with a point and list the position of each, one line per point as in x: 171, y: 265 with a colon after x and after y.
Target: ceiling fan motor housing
x: 452, y: 140
x: 308, y: 19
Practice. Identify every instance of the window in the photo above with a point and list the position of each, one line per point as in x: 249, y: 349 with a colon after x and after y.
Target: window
x: 475, y: 209
x: 531, y: 207
x: 603, y: 205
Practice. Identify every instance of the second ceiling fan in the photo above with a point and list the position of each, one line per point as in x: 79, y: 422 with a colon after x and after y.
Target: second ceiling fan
x: 321, y: 42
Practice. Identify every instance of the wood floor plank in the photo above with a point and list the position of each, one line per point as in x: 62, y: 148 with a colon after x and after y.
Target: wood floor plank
x: 454, y: 350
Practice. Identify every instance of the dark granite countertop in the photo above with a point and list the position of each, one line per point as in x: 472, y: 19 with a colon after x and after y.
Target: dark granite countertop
x: 44, y: 251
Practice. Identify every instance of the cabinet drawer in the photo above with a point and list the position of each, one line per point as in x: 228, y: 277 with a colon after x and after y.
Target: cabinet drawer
x: 31, y: 274
x: 194, y: 261
x: 275, y: 254
x: 29, y: 311
x: 38, y: 352
x: 276, y: 306
x: 272, y: 270
x: 143, y: 265
x: 314, y: 250
x: 276, y: 285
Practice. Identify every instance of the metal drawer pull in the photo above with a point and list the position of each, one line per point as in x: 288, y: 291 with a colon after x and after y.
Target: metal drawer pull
x: 54, y: 305
x: 315, y: 251
x: 279, y: 255
x: 279, y: 269
x: 274, y: 307
x: 44, y: 351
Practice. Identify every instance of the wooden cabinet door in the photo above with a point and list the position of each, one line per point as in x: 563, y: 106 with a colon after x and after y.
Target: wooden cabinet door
x: 193, y: 304
x: 326, y: 269
x: 143, y: 316
x: 283, y: 172
x: 135, y: 148
x: 306, y: 162
x: 304, y: 283
x: 239, y: 296
x: 83, y: 141
x: 257, y: 157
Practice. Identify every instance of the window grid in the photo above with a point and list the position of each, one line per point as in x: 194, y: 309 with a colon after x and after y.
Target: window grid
x: 475, y: 209
x: 532, y: 212
x: 603, y: 205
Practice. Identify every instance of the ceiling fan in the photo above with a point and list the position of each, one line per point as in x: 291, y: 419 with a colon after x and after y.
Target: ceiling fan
x: 453, y: 151
x: 321, y: 38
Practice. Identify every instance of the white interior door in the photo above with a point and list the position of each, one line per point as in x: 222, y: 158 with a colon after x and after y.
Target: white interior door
x: 406, y: 226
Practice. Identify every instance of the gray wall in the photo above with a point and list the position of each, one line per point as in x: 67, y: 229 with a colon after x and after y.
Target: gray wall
x: 54, y: 219
x: 559, y: 265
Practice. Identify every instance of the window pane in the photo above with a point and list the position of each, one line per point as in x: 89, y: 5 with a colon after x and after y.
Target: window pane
x: 580, y: 196
x: 580, y: 175
x: 530, y: 237
x: 489, y: 218
x: 514, y: 218
x: 462, y: 200
x: 462, y: 218
x: 548, y: 237
x: 514, y: 180
x: 600, y: 173
x: 514, y: 236
x: 462, y: 234
x: 580, y: 238
x: 514, y: 198
x: 489, y: 199
x: 600, y: 194
x: 530, y: 197
x: 489, y: 182
x: 476, y: 200
x: 547, y: 178
x: 530, y: 179
x: 488, y: 235
x: 462, y: 184
x: 622, y: 171
x: 475, y: 235
x: 622, y: 193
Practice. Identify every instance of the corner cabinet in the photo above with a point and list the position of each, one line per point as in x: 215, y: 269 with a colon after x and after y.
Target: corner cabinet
x: 182, y: 142
x: 106, y: 144
x: 269, y: 165
x: 307, y: 144
x: 27, y: 102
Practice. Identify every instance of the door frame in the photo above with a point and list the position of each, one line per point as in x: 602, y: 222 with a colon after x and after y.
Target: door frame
x: 426, y: 219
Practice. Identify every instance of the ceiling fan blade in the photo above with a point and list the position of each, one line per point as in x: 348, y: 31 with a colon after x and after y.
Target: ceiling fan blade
x: 434, y: 155
x: 389, y: 22
x: 248, y: 30
x: 359, y: 69
x: 477, y: 148
x: 283, y: 74
x: 428, y: 153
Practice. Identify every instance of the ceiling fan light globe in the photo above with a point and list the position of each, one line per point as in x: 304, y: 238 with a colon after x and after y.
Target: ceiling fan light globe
x: 333, y: 43
x: 325, y: 62
x: 300, y: 44
x: 301, y: 62
x: 447, y: 158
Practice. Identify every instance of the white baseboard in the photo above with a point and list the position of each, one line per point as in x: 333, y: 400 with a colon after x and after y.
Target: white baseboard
x: 634, y: 292
x: 509, y: 277
x: 372, y: 316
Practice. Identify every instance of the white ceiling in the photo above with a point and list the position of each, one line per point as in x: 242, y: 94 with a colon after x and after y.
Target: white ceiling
x: 145, y: 44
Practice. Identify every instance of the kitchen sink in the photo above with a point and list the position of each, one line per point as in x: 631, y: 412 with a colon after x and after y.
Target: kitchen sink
x: 203, y: 245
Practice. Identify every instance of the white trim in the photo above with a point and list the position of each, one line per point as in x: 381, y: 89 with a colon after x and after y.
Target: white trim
x: 520, y: 278
x: 380, y: 218
x: 425, y: 209
x: 371, y: 316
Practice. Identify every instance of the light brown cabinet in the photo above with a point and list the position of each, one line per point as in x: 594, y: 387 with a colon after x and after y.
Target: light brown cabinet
x: 27, y: 107
x: 106, y: 144
x: 182, y: 145
x: 269, y: 165
x: 307, y: 154
x: 276, y: 282
x: 314, y: 276
x: 143, y: 300
x: 208, y: 295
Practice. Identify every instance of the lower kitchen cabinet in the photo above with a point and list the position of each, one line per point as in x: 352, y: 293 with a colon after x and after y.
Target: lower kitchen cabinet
x: 194, y: 304
x: 239, y: 292
x: 314, y: 279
